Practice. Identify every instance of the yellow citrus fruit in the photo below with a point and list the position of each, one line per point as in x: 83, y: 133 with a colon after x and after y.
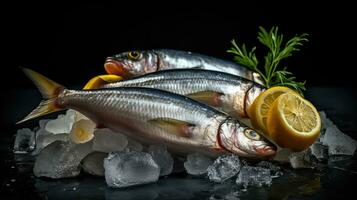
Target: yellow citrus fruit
x: 99, y: 81
x: 258, y: 111
x: 293, y: 122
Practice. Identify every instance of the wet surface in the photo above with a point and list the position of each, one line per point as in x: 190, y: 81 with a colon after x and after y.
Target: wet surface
x: 334, y: 180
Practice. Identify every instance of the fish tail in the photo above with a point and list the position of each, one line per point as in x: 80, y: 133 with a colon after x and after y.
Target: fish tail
x: 49, y: 91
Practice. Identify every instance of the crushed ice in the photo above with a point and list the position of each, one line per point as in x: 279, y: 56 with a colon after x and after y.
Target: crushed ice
x: 24, y: 141
x: 163, y: 158
x: 108, y: 141
x: 338, y: 143
x: 63, y: 123
x: 197, y: 164
x: 93, y: 163
x: 125, y: 162
x: 223, y: 168
x: 254, y: 176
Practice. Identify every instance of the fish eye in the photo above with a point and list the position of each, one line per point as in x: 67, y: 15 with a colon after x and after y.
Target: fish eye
x: 251, y: 134
x: 133, y: 55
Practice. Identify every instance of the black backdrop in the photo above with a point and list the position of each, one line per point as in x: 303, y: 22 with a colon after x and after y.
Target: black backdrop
x: 69, y: 42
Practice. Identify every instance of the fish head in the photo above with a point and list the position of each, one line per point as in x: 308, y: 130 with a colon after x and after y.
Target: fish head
x: 131, y: 63
x: 244, y: 141
x: 250, y: 97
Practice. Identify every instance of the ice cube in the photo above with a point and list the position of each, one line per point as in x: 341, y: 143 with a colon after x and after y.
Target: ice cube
x: 275, y: 170
x: 42, y: 123
x: 24, y: 141
x: 163, y: 158
x: 62, y: 124
x: 71, y: 114
x: 301, y: 159
x: 124, y: 169
x: 339, y: 159
x: 244, y: 161
x: 338, y: 143
x: 197, y: 164
x: 282, y: 155
x: 93, y: 163
x: 254, y: 176
x: 223, y: 168
x: 320, y: 151
x: 325, y: 122
x: 42, y: 131
x: 133, y: 145
x: 61, y: 159
x: 79, y: 116
x: 44, y: 138
x: 108, y: 141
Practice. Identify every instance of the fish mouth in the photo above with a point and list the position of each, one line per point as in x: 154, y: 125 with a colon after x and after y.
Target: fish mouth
x: 115, y: 67
x: 266, y: 150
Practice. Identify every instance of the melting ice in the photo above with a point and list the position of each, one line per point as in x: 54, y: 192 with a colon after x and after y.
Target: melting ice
x: 163, y: 158
x: 61, y: 159
x: 254, y: 176
x: 24, y: 141
x: 124, y: 169
x: 197, y: 164
x: 130, y: 163
x: 223, y: 168
x: 94, y: 163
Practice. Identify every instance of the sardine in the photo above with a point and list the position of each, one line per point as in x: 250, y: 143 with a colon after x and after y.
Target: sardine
x: 154, y: 116
x: 135, y: 63
x: 229, y: 93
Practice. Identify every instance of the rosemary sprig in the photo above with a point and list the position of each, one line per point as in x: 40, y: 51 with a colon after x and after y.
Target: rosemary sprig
x: 277, y: 51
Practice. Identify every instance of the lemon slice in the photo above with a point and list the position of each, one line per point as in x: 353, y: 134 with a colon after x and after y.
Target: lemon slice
x: 293, y: 122
x: 258, y: 111
x: 101, y: 80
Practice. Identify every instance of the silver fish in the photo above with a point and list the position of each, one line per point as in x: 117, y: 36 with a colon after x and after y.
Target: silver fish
x: 135, y: 63
x: 229, y: 93
x: 154, y: 116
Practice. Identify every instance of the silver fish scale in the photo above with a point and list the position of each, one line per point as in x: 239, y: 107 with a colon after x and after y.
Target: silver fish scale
x: 188, y: 81
x: 181, y: 74
x: 171, y: 59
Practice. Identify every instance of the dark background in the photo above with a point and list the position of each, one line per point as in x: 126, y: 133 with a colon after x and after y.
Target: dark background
x: 69, y: 42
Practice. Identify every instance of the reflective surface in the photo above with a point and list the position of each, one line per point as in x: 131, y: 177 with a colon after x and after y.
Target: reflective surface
x: 335, y: 181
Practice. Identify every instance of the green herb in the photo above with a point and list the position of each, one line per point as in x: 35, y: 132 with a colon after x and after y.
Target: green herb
x: 271, y: 72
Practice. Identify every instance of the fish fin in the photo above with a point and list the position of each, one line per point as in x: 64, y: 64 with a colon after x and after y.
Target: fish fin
x: 82, y: 131
x: 211, y: 98
x: 174, y: 126
x: 49, y: 91
x: 99, y: 81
